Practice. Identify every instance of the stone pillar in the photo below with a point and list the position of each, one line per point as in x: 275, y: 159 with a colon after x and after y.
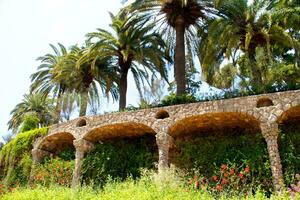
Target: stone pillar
x: 270, y: 133
x: 164, y: 143
x: 37, y: 156
x: 82, y: 146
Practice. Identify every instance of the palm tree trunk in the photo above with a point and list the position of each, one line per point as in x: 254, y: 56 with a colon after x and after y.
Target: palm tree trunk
x: 58, y: 106
x: 179, y: 57
x: 256, y: 74
x: 84, y: 102
x: 123, y: 89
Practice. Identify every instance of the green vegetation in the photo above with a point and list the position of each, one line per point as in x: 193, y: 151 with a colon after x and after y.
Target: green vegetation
x: 119, y: 159
x: 258, y: 41
x: 149, y: 187
x: 15, y: 157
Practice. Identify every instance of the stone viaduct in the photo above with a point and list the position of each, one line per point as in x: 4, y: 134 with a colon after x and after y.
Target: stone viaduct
x: 260, y: 112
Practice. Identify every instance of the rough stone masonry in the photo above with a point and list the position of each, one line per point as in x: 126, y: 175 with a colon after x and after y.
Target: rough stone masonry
x: 263, y: 112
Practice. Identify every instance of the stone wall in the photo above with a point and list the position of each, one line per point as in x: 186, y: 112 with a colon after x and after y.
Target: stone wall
x: 263, y: 112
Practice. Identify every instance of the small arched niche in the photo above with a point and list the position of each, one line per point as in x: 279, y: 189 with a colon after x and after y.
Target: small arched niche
x: 162, y: 114
x: 264, y: 102
x: 81, y: 123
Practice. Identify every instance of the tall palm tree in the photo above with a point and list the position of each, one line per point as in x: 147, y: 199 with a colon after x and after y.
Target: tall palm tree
x: 245, y: 27
x: 36, y: 104
x: 179, y: 19
x: 132, y: 46
x: 85, y: 78
x: 43, y: 81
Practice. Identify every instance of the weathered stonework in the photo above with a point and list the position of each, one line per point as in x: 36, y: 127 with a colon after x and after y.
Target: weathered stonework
x: 82, y: 146
x: 263, y: 112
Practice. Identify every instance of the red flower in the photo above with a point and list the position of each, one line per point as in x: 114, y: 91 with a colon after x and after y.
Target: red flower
x: 219, y: 187
x: 225, y: 175
x: 247, y: 169
x: 224, y: 181
x: 223, y: 167
x: 215, y: 178
x: 241, y: 175
x: 231, y: 172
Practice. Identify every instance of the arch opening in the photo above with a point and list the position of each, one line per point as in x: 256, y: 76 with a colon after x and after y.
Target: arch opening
x: 211, y: 123
x: 81, y: 123
x: 162, y: 114
x: 57, y: 143
x: 264, y: 102
x: 215, y: 143
x: 122, y: 150
x: 289, y: 144
x: 118, y: 131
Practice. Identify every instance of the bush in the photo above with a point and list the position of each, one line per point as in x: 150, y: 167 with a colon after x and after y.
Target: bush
x: 54, y: 171
x: 174, y: 99
x: 289, y: 147
x: 30, y: 122
x: 119, y: 160
x: 203, y: 155
x: 15, y: 157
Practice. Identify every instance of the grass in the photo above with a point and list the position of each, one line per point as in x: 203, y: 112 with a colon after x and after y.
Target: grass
x: 147, y: 188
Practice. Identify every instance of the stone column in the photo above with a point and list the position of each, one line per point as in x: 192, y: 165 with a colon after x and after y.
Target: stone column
x: 37, y: 156
x: 270, y: 133
x: 164, y: 143
x: 82, y: 146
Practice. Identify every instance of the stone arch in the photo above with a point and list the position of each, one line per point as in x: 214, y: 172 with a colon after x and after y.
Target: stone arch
x: 57, y: 142
x: 264, y: 102
x: 118, y: 130
x: 290, y: 115
x: 162, y: 114
x: 213, y: 122
x: 81, y: 122
x: 124, y: 140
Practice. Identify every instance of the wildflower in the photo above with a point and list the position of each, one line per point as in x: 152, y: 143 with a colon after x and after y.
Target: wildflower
x: 215, y: 178
x: 247, y: 169
x: 219, y: 187
x: 231, y: 172
x: 225, y: 175
x: 241, y: 175
x: 224, y: 181
x: 223, y: 167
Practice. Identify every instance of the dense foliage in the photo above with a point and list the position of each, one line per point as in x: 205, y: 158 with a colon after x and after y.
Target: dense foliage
x: 289, y: 147
x: 15, y: 157
x: 119, y: 160
x: 234, y: 151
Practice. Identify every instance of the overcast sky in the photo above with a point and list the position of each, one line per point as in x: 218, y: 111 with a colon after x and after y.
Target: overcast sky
x: 26, y: 30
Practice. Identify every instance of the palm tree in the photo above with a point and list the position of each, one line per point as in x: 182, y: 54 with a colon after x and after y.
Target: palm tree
x: 43, y: 81
x: 35, y: 104
x: 132, y: 46
x: 179, y: 19
x: 85, y: 78
x: 244, y: 27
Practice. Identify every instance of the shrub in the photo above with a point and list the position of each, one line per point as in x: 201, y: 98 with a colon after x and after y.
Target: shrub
x: 119, y: 160
x: 15, y: 157
x: 30, y: 122
x: 174, y: 99
x: 289, y: 147
x: 54, y: 171
x: 203, y: 156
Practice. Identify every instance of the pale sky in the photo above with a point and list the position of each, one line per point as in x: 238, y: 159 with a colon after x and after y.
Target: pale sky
x: 27, y: 27
x: 26, y: 30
